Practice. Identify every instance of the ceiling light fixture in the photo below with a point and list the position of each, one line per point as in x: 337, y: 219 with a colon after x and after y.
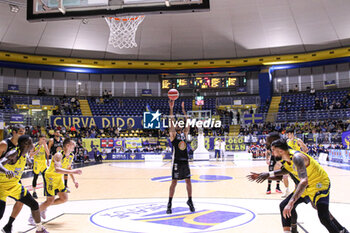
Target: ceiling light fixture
x: 14, y: 8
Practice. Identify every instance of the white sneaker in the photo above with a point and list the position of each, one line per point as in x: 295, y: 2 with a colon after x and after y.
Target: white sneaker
x: 31, y: 221
x: 286, y: 193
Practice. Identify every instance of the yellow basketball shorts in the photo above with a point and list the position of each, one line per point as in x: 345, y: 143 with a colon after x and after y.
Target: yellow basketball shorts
x: 53, y: 185
x: 39, y: 166
x: 14, y: 190
x: 318, y: 193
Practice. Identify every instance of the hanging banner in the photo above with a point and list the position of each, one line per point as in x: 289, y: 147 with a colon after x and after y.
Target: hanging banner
x: 133, y: 143
x: 330, y: 83
x: 146, y: 92
x: 13, y: 88
x: 17, y: 118
x: 346, y: 139
x: 232, y: 143
x: 241, y: 90
x: 99, y: 122
x: 253, y: 118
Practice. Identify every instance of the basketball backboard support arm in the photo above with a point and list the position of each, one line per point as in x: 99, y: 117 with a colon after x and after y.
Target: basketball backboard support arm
x: 80, y: 9
x: 61, y: 7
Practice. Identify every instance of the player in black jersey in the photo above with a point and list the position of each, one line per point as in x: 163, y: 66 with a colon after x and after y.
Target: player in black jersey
x: 180, y: 168
x: 6, y: 146
x: 271, y: 161
x: 56, y: 145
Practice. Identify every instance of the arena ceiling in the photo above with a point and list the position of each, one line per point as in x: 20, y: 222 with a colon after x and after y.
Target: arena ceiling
x: 231, y: 29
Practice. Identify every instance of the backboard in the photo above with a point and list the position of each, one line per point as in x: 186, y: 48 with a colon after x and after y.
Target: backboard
x: 44, y: 10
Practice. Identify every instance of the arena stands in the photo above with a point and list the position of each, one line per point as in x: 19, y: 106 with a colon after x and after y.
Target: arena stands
x: 136, y: 106
x: 323, y: 105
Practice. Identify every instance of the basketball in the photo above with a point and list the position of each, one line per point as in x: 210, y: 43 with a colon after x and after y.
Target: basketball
x: 173, y: 94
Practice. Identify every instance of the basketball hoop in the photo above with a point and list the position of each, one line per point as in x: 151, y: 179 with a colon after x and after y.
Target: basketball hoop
x: 123, y: 30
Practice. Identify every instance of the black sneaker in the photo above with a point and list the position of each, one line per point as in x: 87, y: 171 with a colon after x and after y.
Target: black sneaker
x: 168, y: 210
x: 190, y: 204
x: 294, y: 230
x: 7, y: 229
x: 35, y: 195
x: 344, y: 231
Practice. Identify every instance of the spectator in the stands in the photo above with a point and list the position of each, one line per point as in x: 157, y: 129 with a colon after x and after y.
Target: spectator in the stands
x: 296, y: 89
x: 137, y: 150
x: 312, y: 91
x: 317, y: 103
x: 129, y: 125
x: 97, y: 155
x: 2, y: 104
x: 337, y: 105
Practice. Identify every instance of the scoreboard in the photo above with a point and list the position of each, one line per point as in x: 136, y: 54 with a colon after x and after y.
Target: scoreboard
x: 204, y: 82
x: 168, y: 83
x: 184, y: 83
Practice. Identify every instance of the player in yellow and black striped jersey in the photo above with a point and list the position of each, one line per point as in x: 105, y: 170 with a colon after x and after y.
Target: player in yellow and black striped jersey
x: 41, y: 160
x: 11, y: 168
x: 6, y: 146
x: 294, y: 142
x: 53, y: 178
x: 313, y: 186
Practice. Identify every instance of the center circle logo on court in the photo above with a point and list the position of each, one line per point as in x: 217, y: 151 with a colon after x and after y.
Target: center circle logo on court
x: 195, y: 178
x: 151, y: 217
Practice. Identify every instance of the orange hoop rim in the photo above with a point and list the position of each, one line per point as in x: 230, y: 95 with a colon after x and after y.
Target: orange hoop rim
x: 127, y: 19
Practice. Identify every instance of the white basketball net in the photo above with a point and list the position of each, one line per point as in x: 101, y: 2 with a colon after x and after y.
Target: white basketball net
x: 123, y: 30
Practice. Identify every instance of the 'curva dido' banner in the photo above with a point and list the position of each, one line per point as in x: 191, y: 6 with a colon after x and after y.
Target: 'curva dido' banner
x: 99, y: 122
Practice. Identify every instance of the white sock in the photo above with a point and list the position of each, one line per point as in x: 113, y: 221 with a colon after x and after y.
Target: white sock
x: 287, y: 232
x: 39, y: 226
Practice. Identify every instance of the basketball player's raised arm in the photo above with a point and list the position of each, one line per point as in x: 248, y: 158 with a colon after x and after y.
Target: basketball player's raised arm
x: 33, y: 152
x: 302, y: 146
x: 47, y: 151
x: 9, y: 157
x: 187, y: 127
x: 50, y: 144
x: 172, y: 132
x: 58, y: 166
x: 299, y: 163
x: 3, y: 148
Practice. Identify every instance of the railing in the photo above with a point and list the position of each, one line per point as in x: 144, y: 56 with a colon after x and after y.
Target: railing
x: 335, y: 114
x: 245, y: 100
x: 44, y: 100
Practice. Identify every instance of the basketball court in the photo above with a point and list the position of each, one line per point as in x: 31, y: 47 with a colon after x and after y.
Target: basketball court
x: 132, y: 197
x: 127, y: 196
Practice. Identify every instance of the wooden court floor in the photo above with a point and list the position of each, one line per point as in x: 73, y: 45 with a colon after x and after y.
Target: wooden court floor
x: 110, y: 185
